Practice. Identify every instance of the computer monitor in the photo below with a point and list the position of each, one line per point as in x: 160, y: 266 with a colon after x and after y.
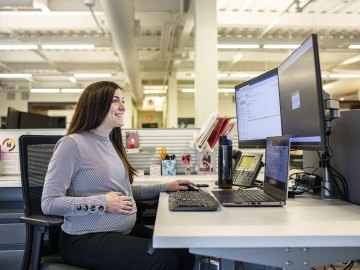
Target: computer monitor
x: 258, y: 110
x: 12, y: 118
x: 57, y: 122
x: 301, y: 97
x: 33, y: 120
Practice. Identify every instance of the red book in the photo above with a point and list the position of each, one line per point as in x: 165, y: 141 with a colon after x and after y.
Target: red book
x: 228, y: 127
x: 221, y: 124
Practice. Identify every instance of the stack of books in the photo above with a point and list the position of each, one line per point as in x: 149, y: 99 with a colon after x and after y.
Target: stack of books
x: 214, y: 127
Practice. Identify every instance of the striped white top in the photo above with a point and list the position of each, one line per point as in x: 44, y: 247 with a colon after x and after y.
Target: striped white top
x: 85, y: 167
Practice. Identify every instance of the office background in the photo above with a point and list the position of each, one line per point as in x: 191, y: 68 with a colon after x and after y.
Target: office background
x: 159, y: 50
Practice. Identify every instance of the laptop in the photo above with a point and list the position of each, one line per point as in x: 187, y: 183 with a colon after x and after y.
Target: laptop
x: 275, y: 191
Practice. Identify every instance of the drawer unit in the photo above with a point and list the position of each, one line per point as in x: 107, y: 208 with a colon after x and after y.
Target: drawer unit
x: 12, y: 232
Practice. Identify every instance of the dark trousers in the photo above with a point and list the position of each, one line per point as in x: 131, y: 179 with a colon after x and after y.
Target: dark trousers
x: 114, y: 250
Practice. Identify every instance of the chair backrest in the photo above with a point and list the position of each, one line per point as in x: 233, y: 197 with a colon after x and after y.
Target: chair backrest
x: 35, y: 154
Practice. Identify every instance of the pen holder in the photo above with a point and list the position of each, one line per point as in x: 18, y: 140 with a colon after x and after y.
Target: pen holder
x: 168, y: 167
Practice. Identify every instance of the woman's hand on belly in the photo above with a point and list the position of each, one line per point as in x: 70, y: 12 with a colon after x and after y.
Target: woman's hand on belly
x: 118, y: 203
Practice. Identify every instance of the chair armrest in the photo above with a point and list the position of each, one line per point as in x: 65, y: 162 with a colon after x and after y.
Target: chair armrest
x: 147, y: 203
x: 44, y: 221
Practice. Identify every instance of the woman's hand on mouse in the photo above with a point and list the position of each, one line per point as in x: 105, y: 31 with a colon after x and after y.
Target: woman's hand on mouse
x: 178, y: 185
x: 118, y: 203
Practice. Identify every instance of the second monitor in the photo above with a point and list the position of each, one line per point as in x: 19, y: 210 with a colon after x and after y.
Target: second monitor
x: 301, y: 97
x: 258, y: 110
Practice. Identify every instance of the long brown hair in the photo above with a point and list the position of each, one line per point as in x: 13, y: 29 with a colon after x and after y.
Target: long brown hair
x: 93, y: 106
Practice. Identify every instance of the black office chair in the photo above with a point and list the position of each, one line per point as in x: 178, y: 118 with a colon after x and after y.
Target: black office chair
x: 42, y: 231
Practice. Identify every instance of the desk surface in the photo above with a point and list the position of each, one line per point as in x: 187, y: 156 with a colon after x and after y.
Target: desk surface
x: 302, y: 222
x: 15, y: 180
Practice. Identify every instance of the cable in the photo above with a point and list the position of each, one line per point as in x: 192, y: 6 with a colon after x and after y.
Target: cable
x: 96, y: 21
x: 338, y: 180
x: 300, y: 180
x: 350, y: 265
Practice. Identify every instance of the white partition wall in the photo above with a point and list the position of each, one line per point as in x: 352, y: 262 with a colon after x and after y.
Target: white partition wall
x: 9, y: 139
x: 176, y: 141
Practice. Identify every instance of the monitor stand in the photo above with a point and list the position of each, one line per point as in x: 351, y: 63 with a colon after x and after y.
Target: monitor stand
x: 327, y: 186
x: 311, y: 160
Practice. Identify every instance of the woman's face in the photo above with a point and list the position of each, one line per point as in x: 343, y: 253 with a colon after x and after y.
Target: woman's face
x: 115, y: 116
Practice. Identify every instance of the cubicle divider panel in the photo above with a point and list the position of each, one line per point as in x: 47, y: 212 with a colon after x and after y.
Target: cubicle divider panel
x: 176, y: 142
x: 9, y: 140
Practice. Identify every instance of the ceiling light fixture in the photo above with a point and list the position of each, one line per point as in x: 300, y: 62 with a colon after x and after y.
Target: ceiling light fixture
x: 72, y: 79
x: 281, y: 46
x: 10, y: 76
x: 220, y: 90
x: 226, y: 90
x: 68, y: 46
x: 71, y: 90
x: 237, y: 46
x: 344, y: 75
x: 154, y: 91
x: 244, y: 75
x: 237, y: 58
x: 155, y: 87
x: 351, y: 60
x: 18, y: 47
x: 95, y: 75
x: 188, y: 90
x: 354, y: 46
x: 45, y: 90
x: 324, y: 74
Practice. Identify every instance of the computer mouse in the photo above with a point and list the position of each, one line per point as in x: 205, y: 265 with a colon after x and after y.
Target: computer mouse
x: 202, y: 185
x: 192, y: 187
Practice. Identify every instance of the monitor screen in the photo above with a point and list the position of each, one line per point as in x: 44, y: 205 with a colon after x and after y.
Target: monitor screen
x: 258, y: 110
x: 12, y: 118
x: 301, y: 97
x: 33, y: 120
x: 277, y: 156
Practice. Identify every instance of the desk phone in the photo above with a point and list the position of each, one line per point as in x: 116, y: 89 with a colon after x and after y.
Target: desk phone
x: 246, y: 169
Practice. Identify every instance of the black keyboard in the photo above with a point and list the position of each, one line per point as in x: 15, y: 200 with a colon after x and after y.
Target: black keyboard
x: 192, y: 201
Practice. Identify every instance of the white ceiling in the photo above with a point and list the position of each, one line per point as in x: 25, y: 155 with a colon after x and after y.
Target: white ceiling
x: 139, y: 42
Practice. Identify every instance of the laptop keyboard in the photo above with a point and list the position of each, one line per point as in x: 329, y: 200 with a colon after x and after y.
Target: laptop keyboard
x: 254, y: 195
x: 192, y: 201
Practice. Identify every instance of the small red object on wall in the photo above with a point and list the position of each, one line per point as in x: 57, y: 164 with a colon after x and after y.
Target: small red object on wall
x: 150, y: 102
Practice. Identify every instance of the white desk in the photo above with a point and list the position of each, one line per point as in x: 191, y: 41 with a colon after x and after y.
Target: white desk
x: 306, y: 232
x: 15, y: 180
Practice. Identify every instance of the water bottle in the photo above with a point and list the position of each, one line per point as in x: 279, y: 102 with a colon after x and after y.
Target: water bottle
x: 225, y: 162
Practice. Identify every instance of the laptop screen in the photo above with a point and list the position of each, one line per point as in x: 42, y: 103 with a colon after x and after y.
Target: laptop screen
x: 277, y: 156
